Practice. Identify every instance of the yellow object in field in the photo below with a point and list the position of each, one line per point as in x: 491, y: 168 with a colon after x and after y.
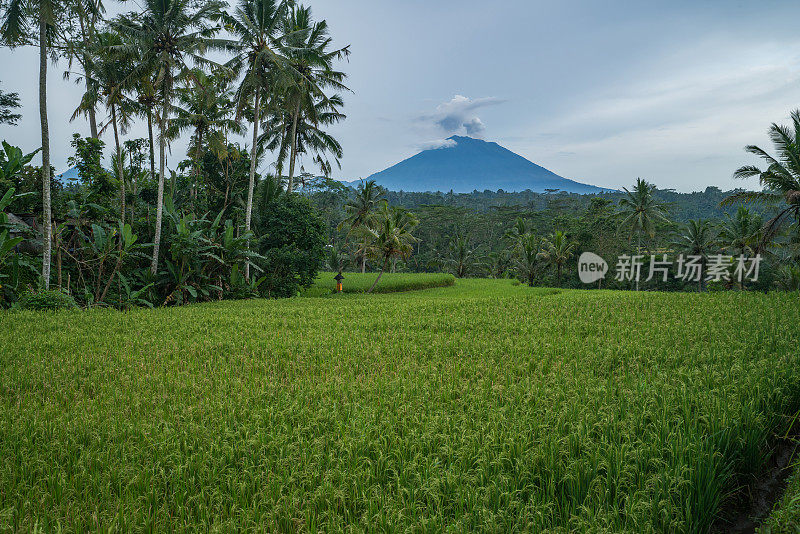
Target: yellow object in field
x: 338, y: 279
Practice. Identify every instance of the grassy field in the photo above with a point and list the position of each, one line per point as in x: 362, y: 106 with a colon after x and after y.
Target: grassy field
x: 389, y: 282
x: 482, y: 406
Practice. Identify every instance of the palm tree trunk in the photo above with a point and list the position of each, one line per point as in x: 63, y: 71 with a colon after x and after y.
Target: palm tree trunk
x: 46, y: 219
x: 133, y: 192
x: 375, y: 283
x: 638, y: 252
x: 741, y: 282
x: 293, y: 153
x: 91, y: 113
x: 197, y: 165
x: 700, y: 281
x: 120, y: 166
x: 92, y: 118
x: 363, y: 263
x: 160, y: 197
x: 152, y: 150
x: 58, y: 263
x: 252, y: 184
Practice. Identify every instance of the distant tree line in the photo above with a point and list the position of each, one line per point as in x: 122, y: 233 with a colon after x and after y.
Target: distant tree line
x: 538, y: 237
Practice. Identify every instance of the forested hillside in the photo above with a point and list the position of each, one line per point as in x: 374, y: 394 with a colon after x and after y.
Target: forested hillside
x: 476, y: 234
x: 683, y: 206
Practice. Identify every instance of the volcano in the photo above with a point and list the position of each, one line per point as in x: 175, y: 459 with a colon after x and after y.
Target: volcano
x: 464, y: 164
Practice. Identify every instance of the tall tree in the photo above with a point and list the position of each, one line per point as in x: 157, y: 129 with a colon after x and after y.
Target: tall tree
x: 526, y: 256
x: 79, y: 44
x: 519, y: 229
x: 16, y: 30
x: 781, y: 178
x: 461, y: 256
x: 309, y: 51
x: 696, y: 239
x: 640, y: 211
x: 309, y: 137
x: 171, y: 36
x: 258, y: 48
x: 147, y: 102
x: 111, y: 66
x: 741, y: 232
x: 392, y: 236
x: 361, y: 210
x: 558, y: 250
x: 205, y: 107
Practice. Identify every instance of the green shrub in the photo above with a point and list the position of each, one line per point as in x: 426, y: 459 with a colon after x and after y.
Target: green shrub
x: 53, y: 299
x: 291, y: 239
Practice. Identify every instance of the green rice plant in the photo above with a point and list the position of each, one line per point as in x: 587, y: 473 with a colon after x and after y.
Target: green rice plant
x: 483, y: 406
x: 53, y: 299
x: 324, y: 284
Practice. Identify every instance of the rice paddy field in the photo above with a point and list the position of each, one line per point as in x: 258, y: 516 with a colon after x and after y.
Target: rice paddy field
x: 480, y: 406
x: 389, y: 282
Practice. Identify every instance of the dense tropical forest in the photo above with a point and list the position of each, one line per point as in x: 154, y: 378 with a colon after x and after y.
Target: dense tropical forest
x: 127, y: 227
x: 132, y: 230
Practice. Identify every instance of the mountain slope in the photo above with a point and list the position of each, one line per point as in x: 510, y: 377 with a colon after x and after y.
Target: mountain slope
x: 468, y: 164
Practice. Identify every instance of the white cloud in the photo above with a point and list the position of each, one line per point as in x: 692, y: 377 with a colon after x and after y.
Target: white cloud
x: 458, y: 115
x: 437, y: 144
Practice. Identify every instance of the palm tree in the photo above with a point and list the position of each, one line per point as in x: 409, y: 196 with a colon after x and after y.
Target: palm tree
x: 741, y: 232
x: 19, y: 15
x: 78, y: 47
x: 558, y: 250
x: 146, y: 102
x: 309, y: 137
x: 361, y: 210
x: 312, y: 60
x: 461, y: 256
x: 640, y: 211
x: 109, y: 74
x: 499, y: 263
x: 789, y: 278
x: 168, y: 35
x: 392, y: 237
x: 519, y: 229
x: 205, y: 108
x: 337, y: 258
x: 223, y: 172
x: 781, y: 178
x: 269, y: 189
x: 258, y: 50
x: 526, y: 256
x: 696, y: 239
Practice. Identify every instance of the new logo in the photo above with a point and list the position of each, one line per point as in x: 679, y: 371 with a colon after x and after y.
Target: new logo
x: 591, y: 267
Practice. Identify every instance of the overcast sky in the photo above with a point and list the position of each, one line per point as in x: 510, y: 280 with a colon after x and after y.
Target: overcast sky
x: 598, y: 92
